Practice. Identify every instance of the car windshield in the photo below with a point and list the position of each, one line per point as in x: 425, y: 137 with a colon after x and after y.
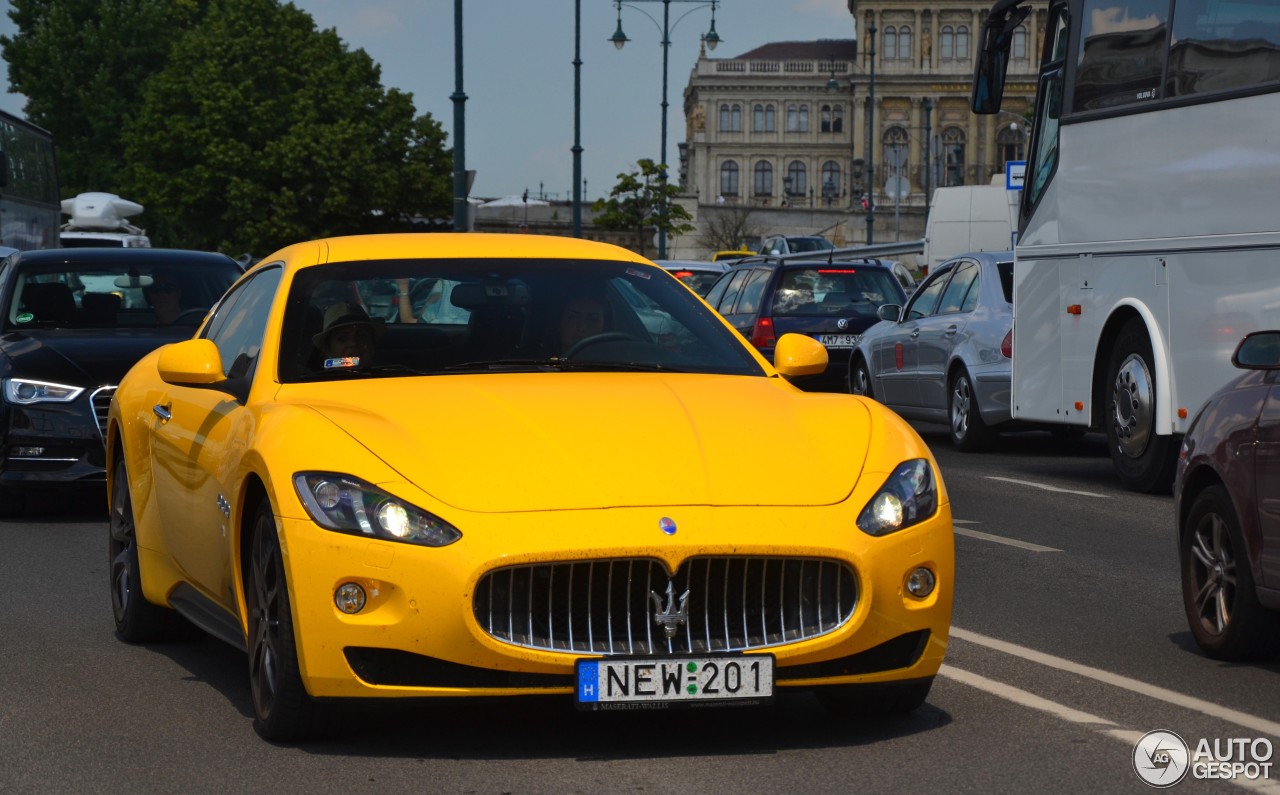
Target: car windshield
x: 834, y: 290
x: 438, y: 316
x: 71, y: 294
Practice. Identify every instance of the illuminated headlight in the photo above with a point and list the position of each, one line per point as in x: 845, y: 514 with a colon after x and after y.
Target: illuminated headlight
x: 24, y: 391
x: 908, y: 497
x: 349, y: 505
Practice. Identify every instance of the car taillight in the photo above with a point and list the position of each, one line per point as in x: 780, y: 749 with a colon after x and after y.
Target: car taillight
x: 762, y: 335
x: 1006, y: 345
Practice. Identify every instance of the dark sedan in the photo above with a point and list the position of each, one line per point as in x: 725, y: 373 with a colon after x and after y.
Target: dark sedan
x: 833, y: 301
x: 76, y: 320
x: 1228, y: 511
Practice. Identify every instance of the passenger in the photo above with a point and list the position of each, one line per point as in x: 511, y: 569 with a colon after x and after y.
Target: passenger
x: 347, y: 337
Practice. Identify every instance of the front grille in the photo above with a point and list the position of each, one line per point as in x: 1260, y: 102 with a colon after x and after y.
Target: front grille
x: 100, y: 398
x: 610, y: 606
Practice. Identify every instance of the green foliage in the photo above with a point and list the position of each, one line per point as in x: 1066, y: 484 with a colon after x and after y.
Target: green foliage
x: 643, y: 198
x: 236, y: 123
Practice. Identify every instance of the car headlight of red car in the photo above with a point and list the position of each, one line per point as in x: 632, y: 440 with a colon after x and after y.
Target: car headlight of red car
x: 350, y: 505
x: 908, y: 497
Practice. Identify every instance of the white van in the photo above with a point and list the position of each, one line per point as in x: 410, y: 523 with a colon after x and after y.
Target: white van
x: 967, y: 218
x: 98, y: 219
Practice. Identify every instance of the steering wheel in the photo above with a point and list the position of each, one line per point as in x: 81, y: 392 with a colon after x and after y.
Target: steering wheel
x: 190, y: 317
x: 596, y: 339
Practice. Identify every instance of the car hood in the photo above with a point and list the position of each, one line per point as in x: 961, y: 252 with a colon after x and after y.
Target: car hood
x: 545, y: 441
x: 82, y: 357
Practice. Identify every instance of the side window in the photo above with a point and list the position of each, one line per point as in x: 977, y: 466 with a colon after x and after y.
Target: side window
x: 749, y: 303
x: 731, y: 292
x: 241, y: 322
x: 926, y: 299
x: 717, y: 290
x: 953, y: 298
x: 1220, y: 45
x: 1122, y: 53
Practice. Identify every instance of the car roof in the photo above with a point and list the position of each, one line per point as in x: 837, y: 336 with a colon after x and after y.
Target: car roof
x: 815, y: 261
x: 692, y: 265
x: 109, y: 255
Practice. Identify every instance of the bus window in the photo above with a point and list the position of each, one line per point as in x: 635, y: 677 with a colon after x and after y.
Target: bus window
x: 1221, y: 46
x: 1122, y: 50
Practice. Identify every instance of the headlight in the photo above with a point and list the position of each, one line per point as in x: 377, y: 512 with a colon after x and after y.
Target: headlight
x: 349, y: 505
x: 24, y: 391
x: 908, y: 497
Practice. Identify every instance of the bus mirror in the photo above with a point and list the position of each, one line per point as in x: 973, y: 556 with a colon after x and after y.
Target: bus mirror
x: 993, y: 56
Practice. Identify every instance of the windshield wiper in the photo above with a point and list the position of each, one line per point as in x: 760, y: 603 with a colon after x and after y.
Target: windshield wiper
x: 553, y: 362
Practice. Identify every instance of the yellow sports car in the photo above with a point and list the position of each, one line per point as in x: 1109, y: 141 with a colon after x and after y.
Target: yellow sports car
x: 461, y: 465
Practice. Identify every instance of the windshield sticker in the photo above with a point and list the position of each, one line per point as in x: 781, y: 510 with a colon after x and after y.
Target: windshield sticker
x: 638, y: 273
x: 342, y: 361
x: 25, y: 317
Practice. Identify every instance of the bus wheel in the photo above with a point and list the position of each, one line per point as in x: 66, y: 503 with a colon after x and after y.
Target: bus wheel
x: 1144, y: 461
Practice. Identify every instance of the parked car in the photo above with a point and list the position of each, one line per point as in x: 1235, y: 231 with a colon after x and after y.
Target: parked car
x: 1228, y: 517
x: 698, y: 275
x: 794, y: 244
x: 731, y: 255
x: 449, y: 514
x: 833, y: 302
x: 946, y: 356
x: 75, y: 321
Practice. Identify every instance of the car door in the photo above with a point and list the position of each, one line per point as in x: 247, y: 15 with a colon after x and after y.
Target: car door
x: 194, y: 445
x: 942, y: 331
x: 1266, y: 477
x: 894, y: 361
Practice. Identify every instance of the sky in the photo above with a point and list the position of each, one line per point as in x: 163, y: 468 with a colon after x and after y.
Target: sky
x: 518, y: 75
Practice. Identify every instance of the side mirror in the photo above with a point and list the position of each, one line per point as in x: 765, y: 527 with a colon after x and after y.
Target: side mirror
x: 1258, y: 351
x: 797, y: 354
x: 191, y: 363
x: 889, y: 312
x: 992, y: 62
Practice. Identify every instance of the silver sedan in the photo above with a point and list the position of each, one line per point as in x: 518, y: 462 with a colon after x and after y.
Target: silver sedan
x: 946, y: 355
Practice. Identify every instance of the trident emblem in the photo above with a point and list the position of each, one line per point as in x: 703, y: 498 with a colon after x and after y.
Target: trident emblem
x: 670, y: 619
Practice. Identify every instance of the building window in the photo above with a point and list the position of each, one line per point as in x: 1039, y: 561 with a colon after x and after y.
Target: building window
x: 830, y: 182
x: 1020, y: 43
x: 763, y: 179
x: 896, y: 155
x: 797, y: 182
x: 729, y: 178
x: 962, y: 43
x: 953, y: 146
x: 904, y: 43
x: 826, y: 119
x: 731, y: 118
x: 763, y: 118
x: 837, y: 118
x: 947, y: 43
x: 1009, y: 142
x: 797, y: 118
x: 890, y: 46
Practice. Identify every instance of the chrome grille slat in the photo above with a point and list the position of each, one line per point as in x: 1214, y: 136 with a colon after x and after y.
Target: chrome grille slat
x: 100, y: 401
x: 770, y: 601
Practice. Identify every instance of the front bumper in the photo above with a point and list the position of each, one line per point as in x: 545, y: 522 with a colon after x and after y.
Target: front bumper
x: 51, y: 443
x: 418, y: 635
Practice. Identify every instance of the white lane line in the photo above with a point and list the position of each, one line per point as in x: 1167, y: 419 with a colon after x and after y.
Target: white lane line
x: 1103, y: 726
x: 1049, y: 488
x: 960, y: 531
x: 1126, y: 683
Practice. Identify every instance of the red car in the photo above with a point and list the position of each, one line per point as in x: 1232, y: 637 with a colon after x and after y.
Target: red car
x: 1227, y: 496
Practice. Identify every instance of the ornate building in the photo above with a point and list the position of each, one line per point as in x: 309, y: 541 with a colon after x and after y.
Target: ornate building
x: 780, y: 134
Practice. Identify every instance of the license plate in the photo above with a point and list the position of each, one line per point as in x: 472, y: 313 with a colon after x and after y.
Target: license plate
x: 839, y: 340
x: 662, y: 682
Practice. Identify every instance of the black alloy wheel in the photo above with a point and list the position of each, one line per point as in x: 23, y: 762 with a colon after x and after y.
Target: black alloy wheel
x: 137, y: 620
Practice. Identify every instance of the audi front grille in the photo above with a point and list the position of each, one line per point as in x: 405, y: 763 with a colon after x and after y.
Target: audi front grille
x: 632, y: 606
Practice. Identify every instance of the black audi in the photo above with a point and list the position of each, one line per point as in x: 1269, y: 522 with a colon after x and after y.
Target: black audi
x: 75, y: 321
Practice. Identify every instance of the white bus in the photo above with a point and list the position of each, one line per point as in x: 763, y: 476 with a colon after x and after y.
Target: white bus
x: 1150, y: 226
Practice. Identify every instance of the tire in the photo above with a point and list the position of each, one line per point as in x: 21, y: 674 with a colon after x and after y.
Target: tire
x: 969, y: 433
x: 137, y: 620
x: 1144, y: 461
x: 1224, y: 614
x: 875, y: 700
x: 282, y: 710
x: 860, y: 379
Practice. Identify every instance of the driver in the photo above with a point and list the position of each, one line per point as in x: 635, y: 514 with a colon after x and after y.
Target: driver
x: 583, y: 316
x: 165, y: 296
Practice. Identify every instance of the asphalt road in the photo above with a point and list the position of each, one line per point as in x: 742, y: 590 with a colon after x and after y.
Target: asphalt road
x: 1069, y: 644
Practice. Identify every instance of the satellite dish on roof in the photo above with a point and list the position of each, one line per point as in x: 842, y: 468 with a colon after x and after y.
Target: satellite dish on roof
x: 100, y: 211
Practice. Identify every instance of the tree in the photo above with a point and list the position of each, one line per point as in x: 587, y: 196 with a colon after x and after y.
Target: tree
x: 83, y: 65
x: 261, y: 131
x: 643, y: 198
x: 729, y: 227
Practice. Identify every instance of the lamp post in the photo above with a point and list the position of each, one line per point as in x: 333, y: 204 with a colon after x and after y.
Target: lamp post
x: 578, y: 181
x: 459, y: 127
x: 711, y: 39
x: 928, y: 146
x: 871, y: 141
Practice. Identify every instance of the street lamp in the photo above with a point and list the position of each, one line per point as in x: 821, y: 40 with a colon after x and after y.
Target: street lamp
x: 871, y: 140
x: 459, y: 127
x: 711, y: 39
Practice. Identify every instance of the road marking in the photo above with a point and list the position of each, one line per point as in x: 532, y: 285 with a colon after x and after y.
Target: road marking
x: 1013, y: 542
x: 1049, y: 488
x: 1103, y: 726
x: 1126, y: 683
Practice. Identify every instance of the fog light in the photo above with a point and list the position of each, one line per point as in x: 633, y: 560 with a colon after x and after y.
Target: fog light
x: 921, y: 582
x: 349, y: 598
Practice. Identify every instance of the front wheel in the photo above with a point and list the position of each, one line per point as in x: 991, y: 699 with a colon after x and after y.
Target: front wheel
x: 1224, y: 614
x: 137, y: 620
x: 969, y: 433
x: 1144, y: 460
x: 860, y: 378
x: 282, y: 710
